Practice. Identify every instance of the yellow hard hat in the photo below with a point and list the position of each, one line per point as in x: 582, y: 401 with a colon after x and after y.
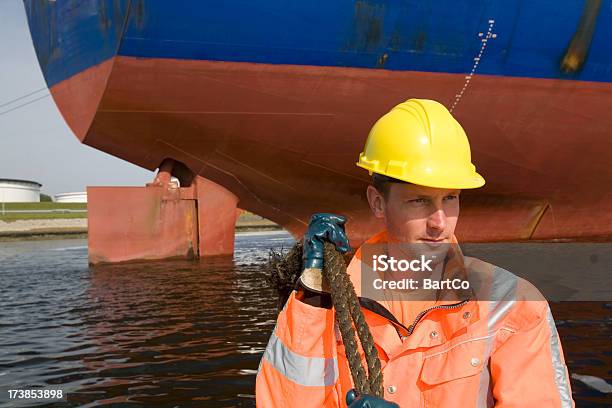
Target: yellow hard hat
x: 420, y: 142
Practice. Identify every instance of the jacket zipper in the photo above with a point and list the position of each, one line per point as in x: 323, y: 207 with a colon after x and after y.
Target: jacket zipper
x: 380, y: 310
x: 424, y: 312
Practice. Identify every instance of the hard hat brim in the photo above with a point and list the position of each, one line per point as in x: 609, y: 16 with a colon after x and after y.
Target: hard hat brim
x: 428, y: 177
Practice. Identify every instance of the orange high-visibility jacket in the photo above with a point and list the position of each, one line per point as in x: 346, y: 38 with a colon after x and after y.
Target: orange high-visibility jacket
x: 501, y: 351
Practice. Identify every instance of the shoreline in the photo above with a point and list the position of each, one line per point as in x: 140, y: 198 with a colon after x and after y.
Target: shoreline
x: 47, y: 229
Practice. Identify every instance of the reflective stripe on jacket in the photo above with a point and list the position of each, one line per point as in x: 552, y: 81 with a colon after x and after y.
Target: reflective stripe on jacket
x: 503, y: 351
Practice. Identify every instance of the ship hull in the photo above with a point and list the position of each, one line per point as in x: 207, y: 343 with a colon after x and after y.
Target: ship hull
x: 274, y: 100
x: 285, y: 139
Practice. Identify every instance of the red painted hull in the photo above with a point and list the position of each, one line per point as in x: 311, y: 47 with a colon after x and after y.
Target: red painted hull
x: 284, y: 139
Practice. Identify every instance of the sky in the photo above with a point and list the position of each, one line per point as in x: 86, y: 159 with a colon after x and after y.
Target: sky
x: 35, y: 142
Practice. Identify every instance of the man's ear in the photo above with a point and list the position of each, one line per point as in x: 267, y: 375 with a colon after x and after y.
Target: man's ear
x: 376, y: 201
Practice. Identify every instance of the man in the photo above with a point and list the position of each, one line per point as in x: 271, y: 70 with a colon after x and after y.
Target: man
x: 490, y: 343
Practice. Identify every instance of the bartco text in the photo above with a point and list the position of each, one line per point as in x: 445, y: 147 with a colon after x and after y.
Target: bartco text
x: 384, y: 263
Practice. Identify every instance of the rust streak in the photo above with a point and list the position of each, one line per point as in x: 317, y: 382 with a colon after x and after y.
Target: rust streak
x: 537, y: 218
x: 577, y: 51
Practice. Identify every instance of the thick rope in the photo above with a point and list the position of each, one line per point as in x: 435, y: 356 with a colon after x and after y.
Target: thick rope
x: 349, y: 317
x: 348, y: 312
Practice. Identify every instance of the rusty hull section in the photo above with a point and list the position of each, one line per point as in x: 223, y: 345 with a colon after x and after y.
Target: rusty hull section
x: 217, y: 214
x: 284, y: 140
x: 160, y: 221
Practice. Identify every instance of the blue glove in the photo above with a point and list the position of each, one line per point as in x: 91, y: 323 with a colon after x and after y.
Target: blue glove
x: 353, y: 400
x: 323, y: 227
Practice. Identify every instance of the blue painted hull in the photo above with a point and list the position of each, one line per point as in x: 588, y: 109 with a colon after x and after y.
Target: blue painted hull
x: 530, y: 39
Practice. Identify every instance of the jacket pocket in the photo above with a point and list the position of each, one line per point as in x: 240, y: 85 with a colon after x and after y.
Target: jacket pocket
x: 451, y: 374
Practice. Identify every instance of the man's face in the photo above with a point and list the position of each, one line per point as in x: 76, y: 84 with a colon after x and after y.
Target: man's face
x: 417, y: 214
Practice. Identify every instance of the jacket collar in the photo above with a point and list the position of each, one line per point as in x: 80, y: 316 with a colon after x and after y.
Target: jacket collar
x: 454, y: 268
x: 456, y: 319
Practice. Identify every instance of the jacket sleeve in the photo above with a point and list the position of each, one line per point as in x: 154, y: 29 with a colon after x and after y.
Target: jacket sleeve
x: 300, y: 365
x: 528, y: 369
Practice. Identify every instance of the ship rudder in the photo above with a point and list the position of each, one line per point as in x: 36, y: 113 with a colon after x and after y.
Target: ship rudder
x: 178, y: 215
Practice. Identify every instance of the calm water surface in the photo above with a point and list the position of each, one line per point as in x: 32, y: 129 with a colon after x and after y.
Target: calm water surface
x: 177, y: 334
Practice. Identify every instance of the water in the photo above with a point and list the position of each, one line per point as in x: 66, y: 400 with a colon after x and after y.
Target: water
x: 177, y: 333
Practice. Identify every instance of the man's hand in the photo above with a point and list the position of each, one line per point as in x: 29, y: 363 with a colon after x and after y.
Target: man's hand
x: 353, y: 400
x: 322, y: 228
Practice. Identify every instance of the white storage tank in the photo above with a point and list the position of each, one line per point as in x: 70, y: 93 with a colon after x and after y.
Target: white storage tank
x: 80, y: 197
x: 19, y: 191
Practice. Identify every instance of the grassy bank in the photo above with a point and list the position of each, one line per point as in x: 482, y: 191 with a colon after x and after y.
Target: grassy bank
x: 43, y: 206
x: 8, y: 217
x: 50, y: 210
x: 34, y: 220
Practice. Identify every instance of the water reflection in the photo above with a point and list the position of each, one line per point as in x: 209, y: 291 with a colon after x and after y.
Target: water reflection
x: 585, y: 329
x: 171, y: 332
x: 166, y: 334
